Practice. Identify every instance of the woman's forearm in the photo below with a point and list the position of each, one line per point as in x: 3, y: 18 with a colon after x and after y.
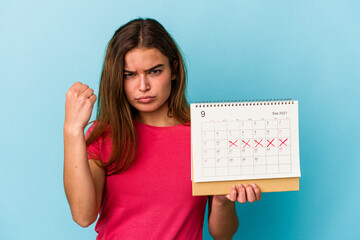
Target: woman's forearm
x: 223, y: 220
x: 78, y: 182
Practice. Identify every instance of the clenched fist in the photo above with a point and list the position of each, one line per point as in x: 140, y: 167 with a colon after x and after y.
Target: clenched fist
x: 80, y: 100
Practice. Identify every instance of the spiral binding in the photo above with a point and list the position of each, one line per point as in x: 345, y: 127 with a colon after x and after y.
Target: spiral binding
x: 254, y: 102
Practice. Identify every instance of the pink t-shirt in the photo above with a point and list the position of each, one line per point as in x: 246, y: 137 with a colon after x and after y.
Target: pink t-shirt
x: 153, y: 198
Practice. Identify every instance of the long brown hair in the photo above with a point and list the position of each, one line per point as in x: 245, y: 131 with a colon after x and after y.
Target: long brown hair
x: 114, y: 110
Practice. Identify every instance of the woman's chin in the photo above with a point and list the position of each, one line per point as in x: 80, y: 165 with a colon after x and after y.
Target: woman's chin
x: 147, y: 108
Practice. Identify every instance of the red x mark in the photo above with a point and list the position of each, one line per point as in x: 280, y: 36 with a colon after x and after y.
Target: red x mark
x: 246, y: 143
x: 270, y: 143
x: 233, y: 143
x: 258, y: 143
x: 283, y: 142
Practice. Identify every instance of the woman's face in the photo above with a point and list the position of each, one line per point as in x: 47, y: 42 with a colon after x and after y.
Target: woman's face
x: 147, y: 79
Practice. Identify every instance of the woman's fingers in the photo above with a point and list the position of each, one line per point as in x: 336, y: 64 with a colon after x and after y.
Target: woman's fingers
x: 257, y: 192
x: 241, y: 194
x: 93, y: 98
x: 246, y: 192
x: 232, y: 195
x: 250, y: 194
x: 88, y: 92
x: 78, y: 88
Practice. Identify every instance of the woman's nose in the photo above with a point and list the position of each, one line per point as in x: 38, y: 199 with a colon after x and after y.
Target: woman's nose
x: 144, y: 83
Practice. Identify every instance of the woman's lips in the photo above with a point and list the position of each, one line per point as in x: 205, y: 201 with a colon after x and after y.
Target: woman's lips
x: 145, y: 99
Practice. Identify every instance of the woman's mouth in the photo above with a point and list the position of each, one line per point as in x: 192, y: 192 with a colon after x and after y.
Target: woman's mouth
x: 145, y: 99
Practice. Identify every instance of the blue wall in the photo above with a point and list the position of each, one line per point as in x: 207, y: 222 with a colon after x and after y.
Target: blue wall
x: 306, y: 50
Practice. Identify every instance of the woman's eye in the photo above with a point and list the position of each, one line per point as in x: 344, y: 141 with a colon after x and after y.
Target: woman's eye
x: 128, y: 75
x: 156, y: 71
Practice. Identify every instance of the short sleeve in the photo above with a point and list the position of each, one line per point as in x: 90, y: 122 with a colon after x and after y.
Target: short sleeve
x: 93, y: 150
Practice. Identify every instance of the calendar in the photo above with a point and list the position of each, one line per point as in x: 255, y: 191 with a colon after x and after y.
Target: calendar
x: 245, y: 140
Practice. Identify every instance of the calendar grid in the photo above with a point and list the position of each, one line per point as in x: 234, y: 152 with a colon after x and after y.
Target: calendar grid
x: 249, y: 147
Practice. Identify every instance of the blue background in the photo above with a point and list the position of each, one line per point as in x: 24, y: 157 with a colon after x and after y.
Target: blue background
x: 305, y: 50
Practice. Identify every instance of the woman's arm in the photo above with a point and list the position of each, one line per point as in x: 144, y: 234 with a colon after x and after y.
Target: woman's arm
x: 223, y: 220
x: 83, y: 180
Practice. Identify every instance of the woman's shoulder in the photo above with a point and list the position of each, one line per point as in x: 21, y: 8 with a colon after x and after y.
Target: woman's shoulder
x: 105, y: 128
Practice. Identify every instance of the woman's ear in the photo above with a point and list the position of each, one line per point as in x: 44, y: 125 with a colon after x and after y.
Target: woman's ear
x: 174, y: 69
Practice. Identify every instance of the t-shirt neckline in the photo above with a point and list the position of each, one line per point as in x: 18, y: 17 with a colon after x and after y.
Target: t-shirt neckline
x: 137, y: 123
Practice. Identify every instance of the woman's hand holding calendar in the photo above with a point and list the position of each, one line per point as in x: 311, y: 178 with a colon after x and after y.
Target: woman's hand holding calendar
x: 241, y: 193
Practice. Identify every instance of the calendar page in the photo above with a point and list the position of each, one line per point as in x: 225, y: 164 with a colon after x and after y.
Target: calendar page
x: 245, y: 140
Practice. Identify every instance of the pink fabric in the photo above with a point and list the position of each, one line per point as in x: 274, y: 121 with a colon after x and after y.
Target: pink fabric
x: 152, y: 199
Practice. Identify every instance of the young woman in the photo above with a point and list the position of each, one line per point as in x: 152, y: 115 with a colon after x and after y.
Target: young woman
x: 133, y: 165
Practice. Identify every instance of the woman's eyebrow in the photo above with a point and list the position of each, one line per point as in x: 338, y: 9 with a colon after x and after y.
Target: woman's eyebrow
x: 148, y: 70
x: 154, y: 67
